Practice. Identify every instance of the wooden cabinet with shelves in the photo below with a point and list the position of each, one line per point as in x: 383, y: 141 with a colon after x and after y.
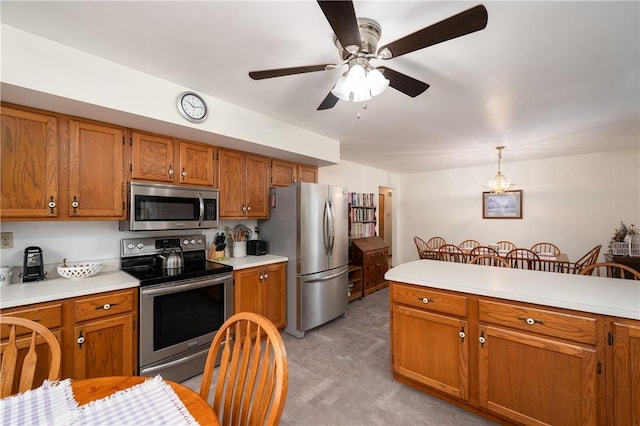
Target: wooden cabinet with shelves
x: 262, y: 289
x: 244, y: 185
x: 355, y: 282
x: 284, y: 173
x: 362, y: 215
x: 29, y: 154
x: 96, y: 333
x: 372, y: 254
x: 504, y: 359
x: 164, y: 159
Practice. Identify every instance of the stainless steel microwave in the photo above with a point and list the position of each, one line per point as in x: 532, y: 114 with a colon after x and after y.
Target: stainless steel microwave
x: 153, y: 207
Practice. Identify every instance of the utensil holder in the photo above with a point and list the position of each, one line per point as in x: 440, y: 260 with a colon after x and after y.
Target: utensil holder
x: 239, y: 249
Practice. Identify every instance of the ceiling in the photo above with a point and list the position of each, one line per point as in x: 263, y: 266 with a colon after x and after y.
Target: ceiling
x: 545, y: 79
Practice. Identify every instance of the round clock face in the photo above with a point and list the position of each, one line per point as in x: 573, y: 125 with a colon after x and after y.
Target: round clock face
x: 192, y: 107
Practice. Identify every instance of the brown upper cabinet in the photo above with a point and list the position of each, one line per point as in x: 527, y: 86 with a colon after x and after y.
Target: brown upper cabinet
x: 244, y: 185
x: 163, y: 159
x: 284, y: 173
x: 60, y: 168
x: 29, y: 157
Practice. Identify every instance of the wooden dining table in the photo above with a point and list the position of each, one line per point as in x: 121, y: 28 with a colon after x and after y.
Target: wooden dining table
x: 87, y: 390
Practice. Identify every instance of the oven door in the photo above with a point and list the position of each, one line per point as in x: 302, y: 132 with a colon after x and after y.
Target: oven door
x: 180, y: 318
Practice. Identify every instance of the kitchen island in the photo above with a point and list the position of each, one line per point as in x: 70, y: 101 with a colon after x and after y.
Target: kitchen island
x: 527, y: 347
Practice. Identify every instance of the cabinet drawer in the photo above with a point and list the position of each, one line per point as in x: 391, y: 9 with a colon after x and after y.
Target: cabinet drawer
x: 425, y: 298
x: 565, y: 326
x: 50, y: 316
x: 103, y: 305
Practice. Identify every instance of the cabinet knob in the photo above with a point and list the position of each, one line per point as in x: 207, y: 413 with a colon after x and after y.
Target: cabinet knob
x: 184, y: 173
x: 52, y: 204
x: 80, y: 340
x: 248, y: 207
x: 170, y: 171
x: 425, y: 300
x: 481, y: 339
x: 75, y: 204
x: 266, y: 275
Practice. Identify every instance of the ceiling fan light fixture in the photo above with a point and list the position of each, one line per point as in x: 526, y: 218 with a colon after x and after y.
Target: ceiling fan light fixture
x: 340, y: 90
x: 376, y: 82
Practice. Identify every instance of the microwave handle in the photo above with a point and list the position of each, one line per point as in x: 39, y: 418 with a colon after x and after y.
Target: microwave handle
x: 201, y: 199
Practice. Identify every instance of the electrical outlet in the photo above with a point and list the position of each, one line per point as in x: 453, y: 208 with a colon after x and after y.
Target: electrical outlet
x: 6, y: 240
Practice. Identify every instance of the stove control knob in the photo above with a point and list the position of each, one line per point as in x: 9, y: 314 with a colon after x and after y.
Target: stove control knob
x: 185, y: 243
x: 193, y: 242
x: 130, y: 246
x: 199, y: 241
x: 140, y: 245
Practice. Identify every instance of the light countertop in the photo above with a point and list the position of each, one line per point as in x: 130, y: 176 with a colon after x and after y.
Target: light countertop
x: 606, y: 296
x: 250, y: 261
x: 19, y: 294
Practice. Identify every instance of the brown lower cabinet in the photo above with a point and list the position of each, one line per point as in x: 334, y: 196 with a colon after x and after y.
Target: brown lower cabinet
x: 262, y: 289
x: 516, y: 362
x: 97, y: 333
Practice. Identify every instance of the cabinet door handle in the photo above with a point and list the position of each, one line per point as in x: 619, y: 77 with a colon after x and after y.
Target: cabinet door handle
x: 266, y: 275
x: 80, y: 340
x: 170, y: 171
x: 106, y: 306
x: 248, y: 207
x: 530, y: 321
x: 52, y: 204
x: 482, y: 340
x: 184, y: 173
x: 75, y: 204
x: 462, y: 334
x: 244, y: 209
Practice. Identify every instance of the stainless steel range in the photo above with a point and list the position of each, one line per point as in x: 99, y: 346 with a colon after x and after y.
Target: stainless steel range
x: 184, y: 299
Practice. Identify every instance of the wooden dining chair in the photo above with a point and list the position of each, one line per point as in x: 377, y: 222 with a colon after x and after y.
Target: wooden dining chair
x: 469, y: 244
x: 490, y: 260
x: 424, y: 252
x: 481, y: 250
x: 31, y: 350
x: 523, y: 258
x: 451, y: 253
x: 548, y: 249
x: 506, y: 246
x: 610, y: 270
x: 253, y: 376
x: 434, y: 243
x: 588, y: 259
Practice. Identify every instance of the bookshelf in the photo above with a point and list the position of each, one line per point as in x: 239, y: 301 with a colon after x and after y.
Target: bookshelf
x: 362, y: 215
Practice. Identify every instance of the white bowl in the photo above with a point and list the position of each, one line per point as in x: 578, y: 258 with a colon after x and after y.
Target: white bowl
x: 80, y: 270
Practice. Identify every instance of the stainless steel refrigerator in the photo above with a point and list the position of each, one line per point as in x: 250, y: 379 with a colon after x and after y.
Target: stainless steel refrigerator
x: 309, y: 224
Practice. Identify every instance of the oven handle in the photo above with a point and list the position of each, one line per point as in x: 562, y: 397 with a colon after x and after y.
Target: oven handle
x: 146, y: 370
x: 166, y: 289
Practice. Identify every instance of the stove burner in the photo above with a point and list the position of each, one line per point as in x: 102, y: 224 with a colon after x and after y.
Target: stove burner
x: 140, y: 259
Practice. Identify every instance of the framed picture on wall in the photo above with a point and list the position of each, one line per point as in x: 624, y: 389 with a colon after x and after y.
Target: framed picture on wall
x: 502, y: 206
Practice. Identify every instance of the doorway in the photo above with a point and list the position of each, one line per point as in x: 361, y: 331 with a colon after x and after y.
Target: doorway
x: 385, y: 221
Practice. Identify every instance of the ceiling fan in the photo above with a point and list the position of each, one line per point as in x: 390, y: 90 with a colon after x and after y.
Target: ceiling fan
x: 357, y: 40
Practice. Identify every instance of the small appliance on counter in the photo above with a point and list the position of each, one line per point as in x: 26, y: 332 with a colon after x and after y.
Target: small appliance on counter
x: 32, y: 265
x: 256, y: 247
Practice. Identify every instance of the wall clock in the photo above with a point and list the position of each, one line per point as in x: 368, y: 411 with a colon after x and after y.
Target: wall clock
x: 192, y: 107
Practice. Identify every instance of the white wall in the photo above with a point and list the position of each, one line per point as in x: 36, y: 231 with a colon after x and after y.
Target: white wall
x: 574, y: 202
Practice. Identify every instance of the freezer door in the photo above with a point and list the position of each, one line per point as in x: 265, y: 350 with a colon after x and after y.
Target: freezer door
x: 321, y: 297
x: 312, y: 235
x: 339, y: 238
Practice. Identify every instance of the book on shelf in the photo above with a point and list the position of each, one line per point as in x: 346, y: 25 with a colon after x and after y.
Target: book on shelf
x: 360, y: 199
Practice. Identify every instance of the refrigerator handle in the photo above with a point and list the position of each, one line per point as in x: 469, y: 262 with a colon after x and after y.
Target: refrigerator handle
x: 325, y: 227
x: 332, y: 227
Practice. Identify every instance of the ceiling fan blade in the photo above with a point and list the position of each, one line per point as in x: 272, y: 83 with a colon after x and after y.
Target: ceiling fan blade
x: 329, y: 102
x: 403, y: 83
x: 469, y: 21
x: 280, y: 72
x: 342, y: 18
